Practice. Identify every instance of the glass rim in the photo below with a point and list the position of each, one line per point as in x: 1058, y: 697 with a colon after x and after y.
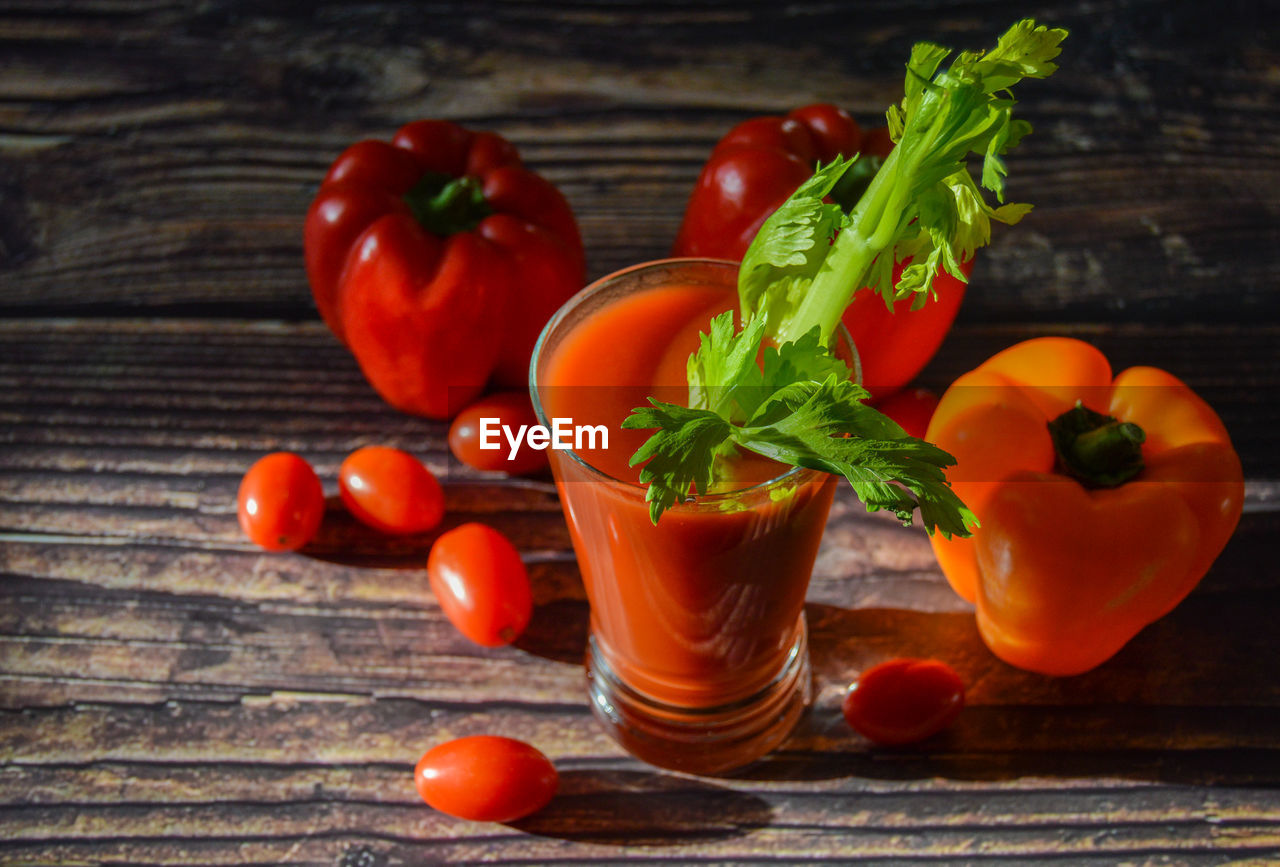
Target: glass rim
x: 792, y: 474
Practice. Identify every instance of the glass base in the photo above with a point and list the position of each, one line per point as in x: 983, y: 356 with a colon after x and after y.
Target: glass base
x: 701, y: 740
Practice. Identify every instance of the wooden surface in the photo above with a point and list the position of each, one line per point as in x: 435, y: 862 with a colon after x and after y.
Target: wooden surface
x: 171, y: 695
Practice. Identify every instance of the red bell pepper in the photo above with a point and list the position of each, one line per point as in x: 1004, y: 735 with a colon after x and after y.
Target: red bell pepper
x: 436, y: 259
x: 755, y: 167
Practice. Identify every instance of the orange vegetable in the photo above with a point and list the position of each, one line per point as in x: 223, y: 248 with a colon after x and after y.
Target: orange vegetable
x: 1085, y: 541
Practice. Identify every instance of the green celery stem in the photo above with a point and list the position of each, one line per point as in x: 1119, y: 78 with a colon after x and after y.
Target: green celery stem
x: 845, y: 269
x: 873, y: 226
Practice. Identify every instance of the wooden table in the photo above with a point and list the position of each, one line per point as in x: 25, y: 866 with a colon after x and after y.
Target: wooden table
x: 172, y: 695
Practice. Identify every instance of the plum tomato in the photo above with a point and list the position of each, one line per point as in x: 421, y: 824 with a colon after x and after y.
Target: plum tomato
x: 904, y: 700
x: 481, y: 584
x: 911, y: 408
x: 390, y: 490
x: 280, y: 502
x: 510, y: 408
x: 486, y: 778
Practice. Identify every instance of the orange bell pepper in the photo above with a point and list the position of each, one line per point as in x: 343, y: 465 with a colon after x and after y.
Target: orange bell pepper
x: 1103, y: 501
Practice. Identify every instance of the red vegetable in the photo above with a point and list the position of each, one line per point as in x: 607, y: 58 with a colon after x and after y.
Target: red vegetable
x: 1104, y: 499
x: 280, y: 502
x: 481, y: 584
x: 437, y: 258
x: 390, y: 490
x: 511, y: 408
x: 486, y: 778
x: 904, y: 700
x: 911, y: 408
x: 753, y: 169
x: 895, y: 345
x: 761, y: 162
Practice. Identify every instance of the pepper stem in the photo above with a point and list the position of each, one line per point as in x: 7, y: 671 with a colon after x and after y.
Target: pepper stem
x: 1098, y: 450
x: 446, y: 205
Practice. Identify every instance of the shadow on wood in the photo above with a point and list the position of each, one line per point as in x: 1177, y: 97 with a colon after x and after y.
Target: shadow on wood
x: 343, y: 540
x: 1142, y: 715
x: 617, y: 807
x: 558, y: 631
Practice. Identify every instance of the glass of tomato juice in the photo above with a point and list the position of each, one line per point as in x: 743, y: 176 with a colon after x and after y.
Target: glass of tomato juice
x: 697, y: 658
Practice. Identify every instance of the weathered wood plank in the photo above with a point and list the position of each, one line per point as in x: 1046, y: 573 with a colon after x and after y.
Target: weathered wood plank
x: 133, y: 393
x: 171, y: 695
x: 613, y: 806
x: 157, y: 782
x: 1153, y: 164
x: 346, y: 760
x: 551, y: 838
x: 154, y: 627
x: 369, y: 568
x: 556, y: 846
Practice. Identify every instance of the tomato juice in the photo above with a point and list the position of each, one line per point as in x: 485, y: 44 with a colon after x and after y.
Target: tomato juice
x: 698, y: 655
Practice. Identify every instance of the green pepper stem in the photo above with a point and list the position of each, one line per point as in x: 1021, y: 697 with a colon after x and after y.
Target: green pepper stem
x: 1109, y: 445
x: 445, y: 205
x: 1097, y: 449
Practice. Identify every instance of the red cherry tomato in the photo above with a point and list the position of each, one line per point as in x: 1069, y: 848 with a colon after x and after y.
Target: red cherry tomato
x: 390, y: 490
x: 904, y: 700
x: 481, y: 583
x: 486, y: 778
x: 911, y: 408
x: 280, y: 503
x: 510, y: 408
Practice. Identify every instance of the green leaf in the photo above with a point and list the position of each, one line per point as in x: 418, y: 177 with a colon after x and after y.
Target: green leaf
x: 791, y: 243
x: 924, y: 208
x: 917, y: 207
x: 923, y: 64
x: 1024, y: 51
x: 679, y: 455
x: 800, y: 360
x: 724, y: 365
x: 824, y: 426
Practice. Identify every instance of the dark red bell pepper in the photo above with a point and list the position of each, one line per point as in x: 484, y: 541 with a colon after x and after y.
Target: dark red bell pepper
x: 755, y: 167
x: 436, y: 258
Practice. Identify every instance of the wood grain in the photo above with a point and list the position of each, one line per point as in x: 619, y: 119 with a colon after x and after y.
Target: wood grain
x: 176, y: 696
x: 169, y: 156
x: 75, y: 392
x: 170, y: 694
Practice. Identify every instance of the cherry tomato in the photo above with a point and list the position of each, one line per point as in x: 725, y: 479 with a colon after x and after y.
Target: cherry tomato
x: 481, y: 583
x: 486, y: 778
x: 904, y: 700
x: 280, y: 503
x: 911, y: 408
x: 390, y: 490
x: 510, y: 408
